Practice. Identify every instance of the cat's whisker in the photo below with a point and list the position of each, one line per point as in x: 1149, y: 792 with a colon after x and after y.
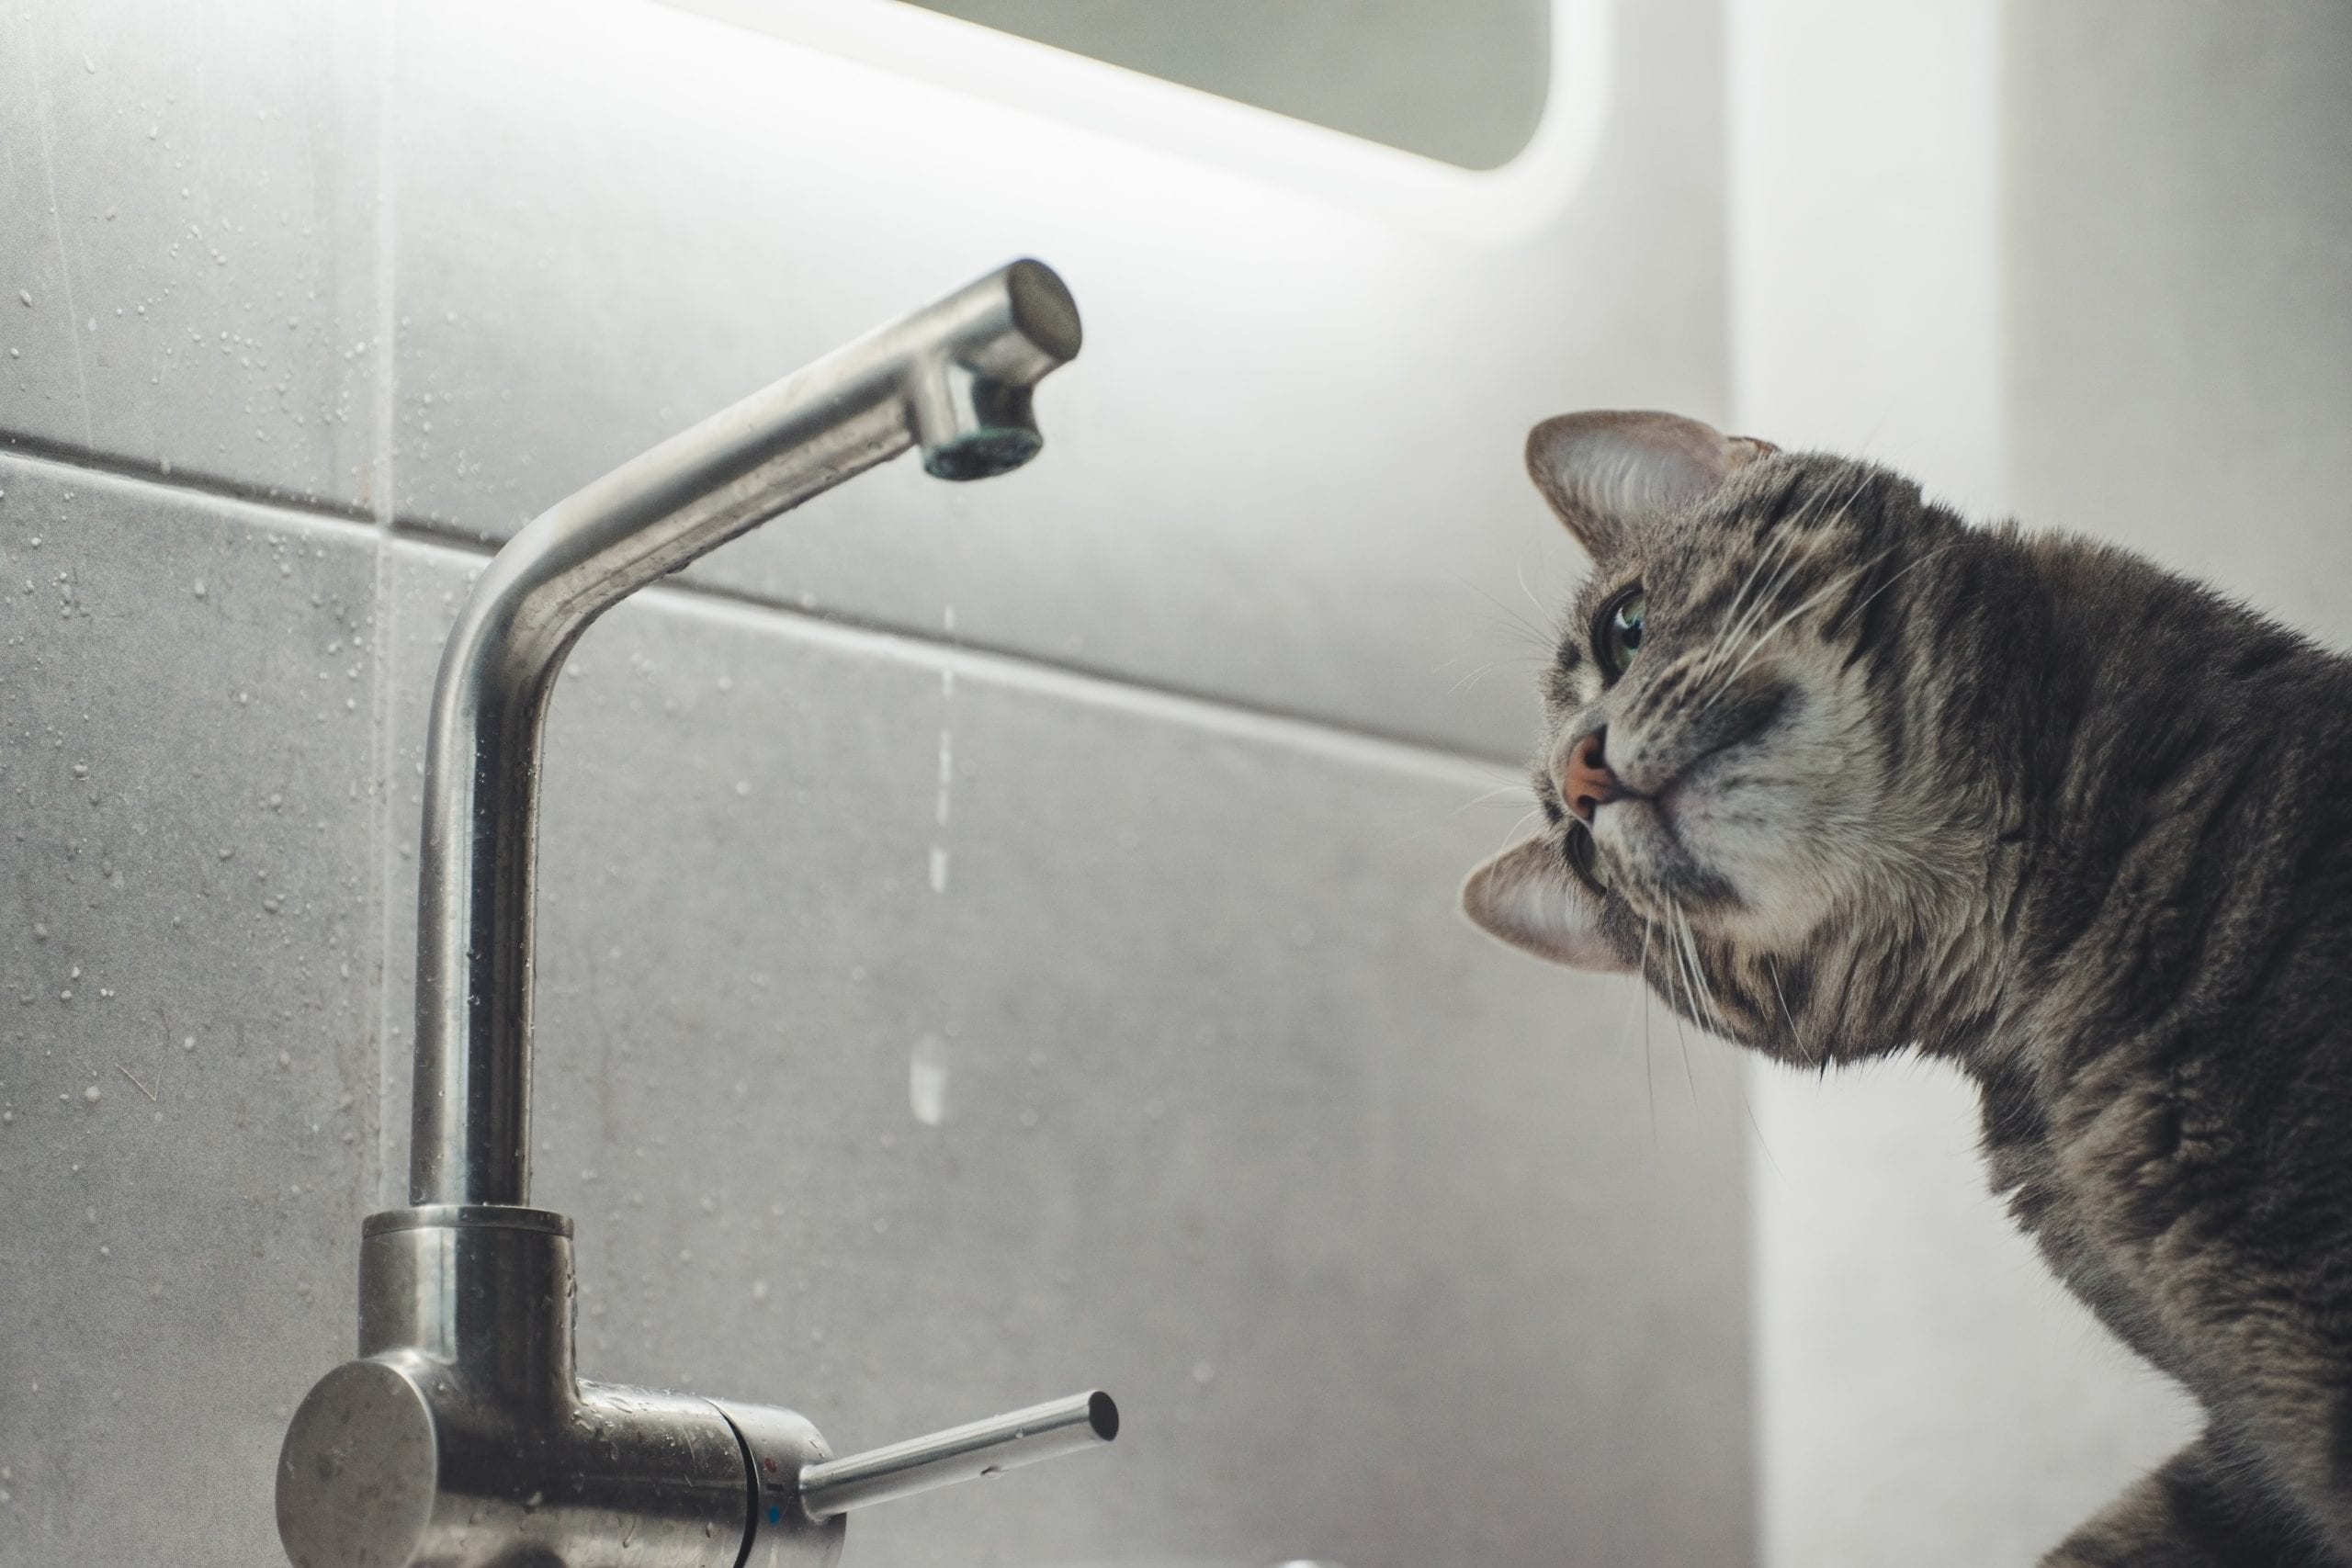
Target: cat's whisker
x: 1703, y: 987
x: 1641, y: 991
x: 1737, y: 621
x: 1677, y: 1007
x: 1769, y: 600
x: 1735, y: 624
x: 1891, y: 582
x: 1834, y: 586
x: 1520, y: 574
x: 1472, y: 679
x: 1795, y: 1037
x: 1512, y: 620
x: 1506, y: 792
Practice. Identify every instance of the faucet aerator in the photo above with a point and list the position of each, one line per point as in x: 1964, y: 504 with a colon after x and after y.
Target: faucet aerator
x: 982, y: 455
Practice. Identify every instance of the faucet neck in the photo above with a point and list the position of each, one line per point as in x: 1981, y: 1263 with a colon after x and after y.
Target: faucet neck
x: 954, y: 378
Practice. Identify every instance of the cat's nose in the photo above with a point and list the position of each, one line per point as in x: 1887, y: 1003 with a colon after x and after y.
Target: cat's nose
x: 1590, y: 784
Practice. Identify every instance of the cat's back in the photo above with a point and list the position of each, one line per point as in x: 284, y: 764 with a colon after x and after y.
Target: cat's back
x: 2172, y: 1130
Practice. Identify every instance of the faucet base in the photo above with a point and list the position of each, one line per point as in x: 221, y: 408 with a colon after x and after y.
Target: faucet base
x: 394, y: 1461
x: 463, y: 1432
x: 462, y: 1436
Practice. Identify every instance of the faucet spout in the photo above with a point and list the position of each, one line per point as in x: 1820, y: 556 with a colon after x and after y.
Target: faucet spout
x: 955, y: 379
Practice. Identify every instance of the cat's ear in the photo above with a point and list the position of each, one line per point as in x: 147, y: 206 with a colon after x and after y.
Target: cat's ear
x: 1607, y: 471
x: 1526, y: 897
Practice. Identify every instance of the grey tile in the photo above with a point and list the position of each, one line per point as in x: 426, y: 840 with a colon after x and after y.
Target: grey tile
x: 1285, y: 470
x: 1396, y: 1247
x: 2180, y: 265
x: 188, y: 203
x: 188, y: 1058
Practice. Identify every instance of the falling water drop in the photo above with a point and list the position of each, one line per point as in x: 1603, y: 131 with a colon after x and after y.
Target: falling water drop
x: 927, y: 1080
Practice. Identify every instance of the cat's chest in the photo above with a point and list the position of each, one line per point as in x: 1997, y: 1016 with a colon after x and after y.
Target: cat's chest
x: 2064, y: 1165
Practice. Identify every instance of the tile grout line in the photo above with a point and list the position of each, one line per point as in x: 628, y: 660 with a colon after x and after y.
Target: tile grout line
x: 1020, y: 666
x: 64, y: 455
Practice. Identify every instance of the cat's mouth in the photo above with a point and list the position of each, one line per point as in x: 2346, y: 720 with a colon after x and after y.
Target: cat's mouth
x: 1665, y: 847
x: 1645, y: 854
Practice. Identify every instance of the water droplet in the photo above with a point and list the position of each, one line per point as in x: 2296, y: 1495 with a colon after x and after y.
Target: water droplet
x: 1202, y: 1373
x: 188, y: 1042
x: 927, y: 1080
x: 25, y: 297
x: 759, y: 1289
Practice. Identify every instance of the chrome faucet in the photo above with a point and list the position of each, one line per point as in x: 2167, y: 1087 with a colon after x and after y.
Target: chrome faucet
x: 463, y: 1435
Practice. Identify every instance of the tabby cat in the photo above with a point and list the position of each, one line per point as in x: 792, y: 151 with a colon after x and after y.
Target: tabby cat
x: 1837, y: 774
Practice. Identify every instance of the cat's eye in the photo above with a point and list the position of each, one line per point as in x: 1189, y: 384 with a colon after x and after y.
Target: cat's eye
x: 1617, y: 633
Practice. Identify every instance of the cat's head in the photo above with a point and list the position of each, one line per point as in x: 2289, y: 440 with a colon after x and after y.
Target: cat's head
x: 1722, y: 776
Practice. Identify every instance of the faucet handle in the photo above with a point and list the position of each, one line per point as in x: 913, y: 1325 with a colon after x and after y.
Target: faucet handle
x: 800, y: 1493
x: 961, y: 1453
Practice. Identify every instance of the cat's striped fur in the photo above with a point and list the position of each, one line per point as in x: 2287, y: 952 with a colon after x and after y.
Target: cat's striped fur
x: 2026, y: 803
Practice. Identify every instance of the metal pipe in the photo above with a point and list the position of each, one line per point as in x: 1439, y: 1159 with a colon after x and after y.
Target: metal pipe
x: 960, y: 1453
x: 954, y: 379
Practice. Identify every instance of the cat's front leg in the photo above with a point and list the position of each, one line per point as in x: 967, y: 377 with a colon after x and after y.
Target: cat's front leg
x: 2197, y: 1510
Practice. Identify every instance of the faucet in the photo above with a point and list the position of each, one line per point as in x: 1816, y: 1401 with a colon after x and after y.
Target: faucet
x: 462, y: 1436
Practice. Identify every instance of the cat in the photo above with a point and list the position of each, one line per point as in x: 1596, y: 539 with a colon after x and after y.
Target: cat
x: 1838, y: 774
